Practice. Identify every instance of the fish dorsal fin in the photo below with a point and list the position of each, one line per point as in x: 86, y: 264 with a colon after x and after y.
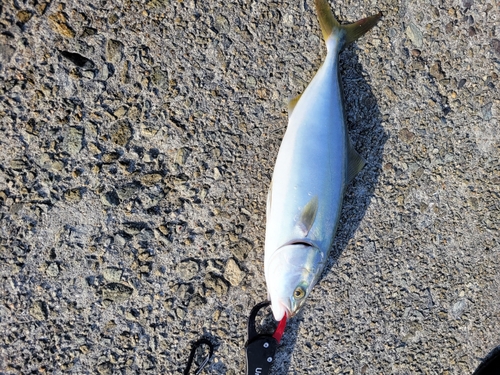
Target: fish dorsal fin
x: 355, y: 162
x: 292, y: 103
x: 269, y: 201
x: 269, y: 197
x: 308, y: 215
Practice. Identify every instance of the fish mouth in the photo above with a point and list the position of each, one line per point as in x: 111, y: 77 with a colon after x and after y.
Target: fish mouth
x: 281, y: 310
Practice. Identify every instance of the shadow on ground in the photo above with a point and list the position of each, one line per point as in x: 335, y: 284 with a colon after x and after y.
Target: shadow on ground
x: 490, y: 364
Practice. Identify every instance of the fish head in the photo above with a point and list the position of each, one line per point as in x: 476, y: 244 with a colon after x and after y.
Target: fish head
x: 291, y: 273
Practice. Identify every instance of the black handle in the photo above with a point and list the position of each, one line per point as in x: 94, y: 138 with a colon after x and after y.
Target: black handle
x: 260, y: 354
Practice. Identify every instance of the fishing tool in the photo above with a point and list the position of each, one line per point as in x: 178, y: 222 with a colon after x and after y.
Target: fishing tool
x: 261, y: 347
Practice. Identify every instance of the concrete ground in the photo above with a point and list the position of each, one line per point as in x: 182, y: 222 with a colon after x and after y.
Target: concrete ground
x: 137, y: 145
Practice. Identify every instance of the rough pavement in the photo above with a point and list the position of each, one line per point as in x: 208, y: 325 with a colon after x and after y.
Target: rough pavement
x: 137, y: 146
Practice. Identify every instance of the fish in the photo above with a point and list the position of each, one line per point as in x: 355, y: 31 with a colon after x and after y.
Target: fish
x: 315, y: 163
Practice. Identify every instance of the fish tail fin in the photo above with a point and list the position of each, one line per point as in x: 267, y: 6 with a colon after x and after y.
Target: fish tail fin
x: 348, y: 33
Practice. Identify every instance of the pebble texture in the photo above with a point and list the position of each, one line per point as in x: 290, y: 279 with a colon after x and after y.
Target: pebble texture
x: 138, y: 140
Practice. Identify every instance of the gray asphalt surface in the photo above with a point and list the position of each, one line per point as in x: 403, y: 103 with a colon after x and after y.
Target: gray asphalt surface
x: 137, y: 146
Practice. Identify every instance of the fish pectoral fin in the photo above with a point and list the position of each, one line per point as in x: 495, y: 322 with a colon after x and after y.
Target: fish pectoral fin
x: 308, y: 216
x: 355, y: 162
x: 292, y: 103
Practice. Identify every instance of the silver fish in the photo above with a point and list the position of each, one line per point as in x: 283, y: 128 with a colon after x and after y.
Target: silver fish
x: 315, y: 162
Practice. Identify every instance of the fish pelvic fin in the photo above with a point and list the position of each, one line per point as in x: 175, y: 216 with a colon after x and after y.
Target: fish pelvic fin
x: 348, y: 33
x: 355, y: 162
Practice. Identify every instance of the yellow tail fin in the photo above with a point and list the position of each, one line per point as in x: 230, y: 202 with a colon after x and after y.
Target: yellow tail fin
x: 329, y: 25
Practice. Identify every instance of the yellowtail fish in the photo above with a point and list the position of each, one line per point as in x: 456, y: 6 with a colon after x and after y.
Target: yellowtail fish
x: 315, y: 162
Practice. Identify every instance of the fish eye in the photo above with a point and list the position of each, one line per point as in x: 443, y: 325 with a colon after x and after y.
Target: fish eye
x: 299, y: 293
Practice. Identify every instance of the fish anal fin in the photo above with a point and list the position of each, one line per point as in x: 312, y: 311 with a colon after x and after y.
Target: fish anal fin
x: 355, y: 162
x: 292, y: 103
x: 308, y: 215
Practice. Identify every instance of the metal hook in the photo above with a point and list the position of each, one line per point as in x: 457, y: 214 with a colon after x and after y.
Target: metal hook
x: 195, y: 346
